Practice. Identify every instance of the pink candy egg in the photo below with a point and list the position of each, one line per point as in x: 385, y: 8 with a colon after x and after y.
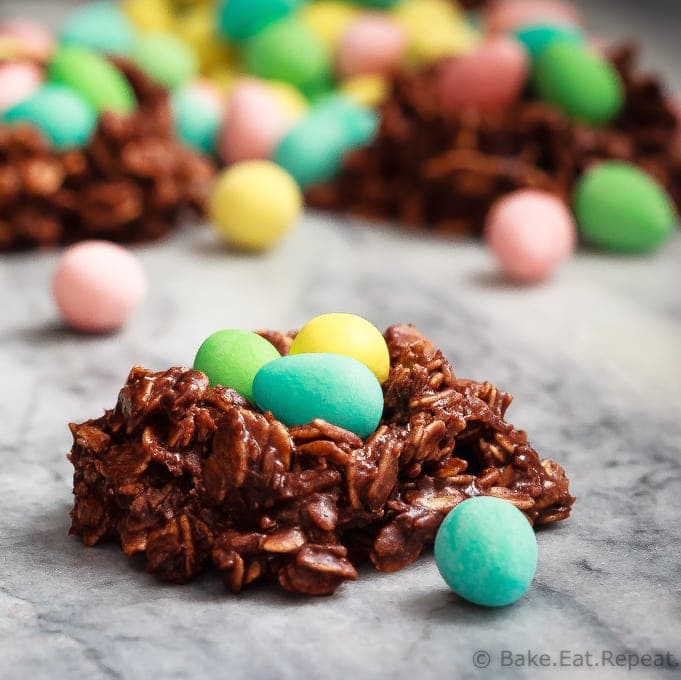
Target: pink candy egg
x: 531, y: 233
x: 207, y: 93
x: 373, y: 44
x: 18, y: 81
x: 33, y: 40
x: 490, y: 77
x: 504, y: 16
x: 97, y: 285
x: 254, y: 123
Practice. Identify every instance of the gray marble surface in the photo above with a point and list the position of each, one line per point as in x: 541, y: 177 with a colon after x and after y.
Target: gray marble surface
x: 593, y: 359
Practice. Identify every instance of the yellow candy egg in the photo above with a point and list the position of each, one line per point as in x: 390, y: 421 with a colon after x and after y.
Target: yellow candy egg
x: 290, y: 98
x: 346, y: 334
x: 328, y: 20
x: 197, y: 27
x: 150, y: 15
x: 253, y: 204
x: 368, y: 90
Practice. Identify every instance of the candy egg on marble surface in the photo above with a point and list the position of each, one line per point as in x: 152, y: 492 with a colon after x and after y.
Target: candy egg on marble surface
x: 506, y: 15
x: 255, y: 122
x: 301, y: 388
x: 313, y: 149
x: 166, y: 59
x: 97, y: 285
x: 486, y: 551
x: 198, y: 110
x: 242, y: 19
x: 62, y: 115
x: 373, y: 44
x: 620, y: 207
x: 93, y: 77
x: 253, y: 204
x: 232, y: 358
x: 99, y: 26
x: 490, y: 77
x: 18, y: 81
x: 289, y: 51
x: 33, y: 40
x: 583, y: 84
x: 537, y: 37
x: 530, y: 233
x: 328, y: 20
x: 346, y: 334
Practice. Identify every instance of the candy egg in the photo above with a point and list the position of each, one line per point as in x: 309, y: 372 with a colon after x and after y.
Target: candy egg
x: 341, y: 390
x: 150, y: 15
x: 328, y: 20
x: 289, y: 51
x: 531, y: 233
x: 486, y: 551
x: 242, y: 19
x: 232, y: 358
x: 94, y: 77
x: 33, y: 40
x: 371, y: 44
x: 582, y: 83
x: 368, y: 90
x: 197, y: 28
x: 97, y: 285
x: 502, y: 16
x: 61, y: 114
x: 166, y: 59
x: 491, y: 77
x: 254, y: 124
x: 291, y: 101
x: 254, y: 203
x: 379, y: 4
x: 198, y: 111
x: 620, y: 207
x: 346, y: 334
x: 313, y: 150
x: 18, y: 81
x: 537, y: 37
x: 99, y: 26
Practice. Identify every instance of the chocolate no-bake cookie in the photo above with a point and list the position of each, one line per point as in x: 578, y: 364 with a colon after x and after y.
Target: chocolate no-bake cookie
x: 191, y: 475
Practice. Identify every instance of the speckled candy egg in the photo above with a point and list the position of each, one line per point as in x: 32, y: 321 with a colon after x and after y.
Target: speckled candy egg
x: 490, y: 77
x: 65, y: 118
x: 486, y: 551
x: 18, y: 81
x: 232, y: 358
x: 254, y: 124
x: 505, y: 15
x: 32, y: 39
x: 371, y: 44
x: 530, y: 233
x: 97, y: 285
x: 341, y: 390
x: 346, y: 334
x: 99, y: 26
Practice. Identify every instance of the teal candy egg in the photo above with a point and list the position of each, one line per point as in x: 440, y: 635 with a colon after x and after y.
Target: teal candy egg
x: 313, y: 150
x: 232, y: 358
x: 197, y: 117
x: 60, y: 113
x: 537, y: 37
x: 299, y: 388
x: 242, y: 19
x: 486, y: 551
x: 99, y: 26
x: 378, y: 4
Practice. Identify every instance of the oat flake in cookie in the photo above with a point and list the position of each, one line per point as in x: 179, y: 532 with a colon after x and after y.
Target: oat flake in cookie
x: 191, y: 475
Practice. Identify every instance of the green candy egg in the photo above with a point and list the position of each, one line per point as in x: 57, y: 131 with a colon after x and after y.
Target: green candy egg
x: 486, y: 551
x: 313, y: 150
x: 166, y: 59
x: 99, y: 26
x: 241, y: 19
x: 94, y: 77
x: 379, y: 4
x: 60, y: 113
x: 580, y: 82
x: 197, y: 120
x: 622, y: 208
x: 537, y: 37
x: 232, y: 358
x: 298, y: 389
x: 289, y: 51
